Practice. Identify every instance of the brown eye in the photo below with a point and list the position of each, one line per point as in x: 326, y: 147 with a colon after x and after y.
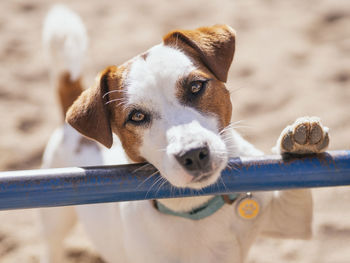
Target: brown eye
x: 137, y: 116
x: 196, y: 86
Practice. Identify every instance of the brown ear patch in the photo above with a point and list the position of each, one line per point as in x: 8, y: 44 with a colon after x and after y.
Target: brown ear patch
x: 90, y: 115
x: 214, y: 45
x: 100, y: 110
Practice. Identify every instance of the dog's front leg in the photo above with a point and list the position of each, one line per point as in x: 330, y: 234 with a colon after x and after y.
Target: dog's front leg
x: 291, y: 210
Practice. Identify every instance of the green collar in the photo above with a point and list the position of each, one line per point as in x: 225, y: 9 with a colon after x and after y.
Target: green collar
x: 201, y: 212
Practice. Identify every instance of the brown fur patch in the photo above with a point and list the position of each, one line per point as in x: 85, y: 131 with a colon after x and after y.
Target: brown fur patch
x: 215, y: 99
x: 100, y: 110
x: 89, y: 113
x: 144, y: 55
x: 128, y: 134
x: 68, y: 91
x: 211, y: 49
x: 215, y: 46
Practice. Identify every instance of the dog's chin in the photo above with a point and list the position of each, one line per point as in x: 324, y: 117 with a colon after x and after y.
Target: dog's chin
x: 204, y: 180
x: 208, y: 178
x: 183, y: 179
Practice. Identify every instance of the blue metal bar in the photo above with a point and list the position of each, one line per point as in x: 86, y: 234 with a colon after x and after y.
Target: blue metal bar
x: 74, y: 186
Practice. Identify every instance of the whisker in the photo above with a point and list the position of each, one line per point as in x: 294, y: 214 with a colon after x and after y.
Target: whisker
x: 112, y: 91
x: 114, y: 100
x: 223, y: 183
x: 148, y: 177
x: 235, y: 90
x: 161, y: 185
x: 157, y: 181
x: 243, y: 127
x: 234, y: 125
x: 232, y: 167
x: 140, y: 168
x: 235, y: 122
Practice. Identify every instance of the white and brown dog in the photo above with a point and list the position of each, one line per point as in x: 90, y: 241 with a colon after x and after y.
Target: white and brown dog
x: 168, y: 106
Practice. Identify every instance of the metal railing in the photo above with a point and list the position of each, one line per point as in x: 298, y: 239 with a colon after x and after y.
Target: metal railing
x: 74, y: 186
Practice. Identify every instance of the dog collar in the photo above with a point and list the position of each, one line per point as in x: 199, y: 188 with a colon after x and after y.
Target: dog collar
x: 201, y: 212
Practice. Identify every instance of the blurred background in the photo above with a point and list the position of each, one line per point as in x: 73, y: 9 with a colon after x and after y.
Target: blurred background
x: 292, y: 59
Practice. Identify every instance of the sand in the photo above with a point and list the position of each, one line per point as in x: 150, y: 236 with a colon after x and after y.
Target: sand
x: 292, y: 59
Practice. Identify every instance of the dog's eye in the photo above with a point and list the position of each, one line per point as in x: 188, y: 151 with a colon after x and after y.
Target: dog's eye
x: 138, y: 117
x: 196, y: 86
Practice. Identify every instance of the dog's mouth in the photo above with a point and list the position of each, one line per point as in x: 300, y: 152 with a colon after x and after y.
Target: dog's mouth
x: 194, y: 179
x: 208, y: 177
x: 201, y: 178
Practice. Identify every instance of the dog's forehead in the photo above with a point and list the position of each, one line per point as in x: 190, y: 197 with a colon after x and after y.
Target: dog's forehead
x: 155, y: 73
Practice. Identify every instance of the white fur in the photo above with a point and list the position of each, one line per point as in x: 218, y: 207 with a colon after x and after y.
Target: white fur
x: 135, y: 231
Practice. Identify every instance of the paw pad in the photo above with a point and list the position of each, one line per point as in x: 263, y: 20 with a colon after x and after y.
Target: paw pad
x: 306, y: 135
x: 300, y: 134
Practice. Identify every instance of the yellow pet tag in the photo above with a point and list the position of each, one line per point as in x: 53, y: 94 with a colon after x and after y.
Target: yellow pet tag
x: 248, y: 207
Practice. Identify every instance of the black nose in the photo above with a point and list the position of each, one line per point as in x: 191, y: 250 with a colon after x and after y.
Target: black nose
x: 195, y: 159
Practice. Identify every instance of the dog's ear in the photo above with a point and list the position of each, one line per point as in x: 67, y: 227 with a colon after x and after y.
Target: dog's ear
x: 215, y: 46
x: 89, y: 114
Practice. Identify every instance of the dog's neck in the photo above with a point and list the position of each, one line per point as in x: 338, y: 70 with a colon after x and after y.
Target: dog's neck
x: 184, y: 204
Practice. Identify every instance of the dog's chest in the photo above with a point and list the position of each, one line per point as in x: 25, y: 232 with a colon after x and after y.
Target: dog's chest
x: 136, y: 232
x: 154, y: 237
x: 150, y: 236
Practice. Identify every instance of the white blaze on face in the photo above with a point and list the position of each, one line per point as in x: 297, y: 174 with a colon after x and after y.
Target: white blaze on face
x: 154, y: 79
x: 151, y: 86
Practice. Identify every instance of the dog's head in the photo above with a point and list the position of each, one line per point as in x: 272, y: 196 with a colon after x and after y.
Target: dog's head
x: 168, y: 105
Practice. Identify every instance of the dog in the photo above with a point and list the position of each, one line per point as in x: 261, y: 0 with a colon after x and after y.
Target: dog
x: 167, y: 106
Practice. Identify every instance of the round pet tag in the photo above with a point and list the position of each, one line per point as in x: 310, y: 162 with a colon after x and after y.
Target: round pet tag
x: 248, y: 207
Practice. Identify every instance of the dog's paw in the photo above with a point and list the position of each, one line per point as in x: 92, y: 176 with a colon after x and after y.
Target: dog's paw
x: 306, y: 135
